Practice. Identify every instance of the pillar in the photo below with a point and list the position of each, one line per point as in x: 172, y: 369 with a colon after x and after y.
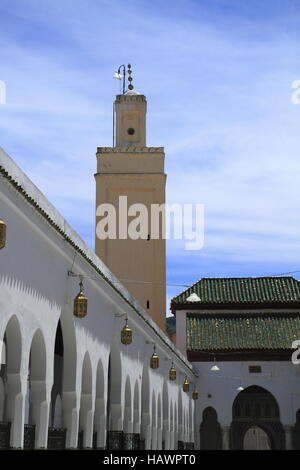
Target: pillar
x: 288, y: 429
x: 71, y: 418
x: 225, y: 437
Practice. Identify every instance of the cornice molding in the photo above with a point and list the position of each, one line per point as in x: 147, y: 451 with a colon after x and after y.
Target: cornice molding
x: 130, y: 149
x: 131, y: 99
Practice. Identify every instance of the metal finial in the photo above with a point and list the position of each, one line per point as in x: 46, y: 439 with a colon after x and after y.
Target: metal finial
x: 129, y: 71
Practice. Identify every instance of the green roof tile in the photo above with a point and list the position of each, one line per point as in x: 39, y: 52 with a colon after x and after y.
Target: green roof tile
x: 248, y: 290
x: 231, y: 331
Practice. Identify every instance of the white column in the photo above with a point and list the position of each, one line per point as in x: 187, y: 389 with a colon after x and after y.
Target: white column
x: 288, y: 437
x: 15, y: 392
x: 225, y: 437
x: 136, y: 421
x: 154, y: 438
x: 87, y: 419
x: 146, y: 430
x: 166, y: 434
x: 40, y: 406
x: 100, y: 422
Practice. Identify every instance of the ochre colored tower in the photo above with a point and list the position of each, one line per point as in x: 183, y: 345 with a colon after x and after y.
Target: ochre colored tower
x: 132, y: 169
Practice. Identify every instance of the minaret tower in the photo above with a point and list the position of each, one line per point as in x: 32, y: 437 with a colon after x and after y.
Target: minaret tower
x: 132, y: 169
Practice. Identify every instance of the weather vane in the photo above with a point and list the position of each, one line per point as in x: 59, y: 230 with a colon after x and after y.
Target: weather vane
x: 121, y: 74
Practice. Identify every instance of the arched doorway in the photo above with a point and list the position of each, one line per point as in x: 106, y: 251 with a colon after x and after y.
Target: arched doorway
x: 255, y: 411
x: 256, y: 438
x: 210, y: 430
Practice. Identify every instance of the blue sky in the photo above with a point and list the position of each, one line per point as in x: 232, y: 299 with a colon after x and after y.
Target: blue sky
x: 217, y: 75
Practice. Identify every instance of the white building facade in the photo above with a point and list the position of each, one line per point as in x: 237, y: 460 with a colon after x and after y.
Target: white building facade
x: 67, y: 382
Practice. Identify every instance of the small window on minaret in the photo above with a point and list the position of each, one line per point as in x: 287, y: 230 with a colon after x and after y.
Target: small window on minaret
x: 148, y: 304
x: 130, y: 131
x: 148, y: 238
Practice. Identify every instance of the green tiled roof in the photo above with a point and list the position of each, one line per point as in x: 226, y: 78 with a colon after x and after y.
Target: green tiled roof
x: 248, y: 290
x: 229, y: 331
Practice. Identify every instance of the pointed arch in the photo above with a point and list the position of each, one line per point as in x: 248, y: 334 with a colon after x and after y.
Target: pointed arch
x: 210, y: 430
x: 256, y: 406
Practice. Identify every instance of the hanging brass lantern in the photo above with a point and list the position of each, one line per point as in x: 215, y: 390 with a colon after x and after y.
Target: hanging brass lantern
x: 2, y: 234
x: 154, y: 360
x: 126, y: 334
x: 186, y: 385
x: 195, y: 394
x: 172, y: 372
x: 80, y: 303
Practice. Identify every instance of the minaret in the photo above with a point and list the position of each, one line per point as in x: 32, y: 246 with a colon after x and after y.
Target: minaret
x: 132, y: 169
